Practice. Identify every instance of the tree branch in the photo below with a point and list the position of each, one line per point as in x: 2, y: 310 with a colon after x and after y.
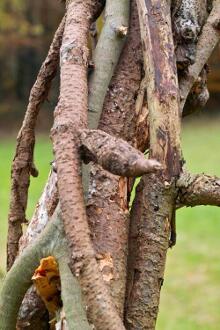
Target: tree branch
x: 115, y: 155
x: 18, y: 279
x: 153, y: 208
x: 206, y: 43
x: 200, y: 189
x: 108, y: 200
x: 44, y: 210
x: 106, y: 56
x: 23, y: 165
x: 70, y: 116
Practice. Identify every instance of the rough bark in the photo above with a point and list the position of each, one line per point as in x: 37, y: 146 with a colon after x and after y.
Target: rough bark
x: 23, y: 165
x: 206, y: 43
x: 198, y: 189
x: 115, y: 155
x: 188, y: 18
x: 108, y: 200
x: 154, y: 203
x: 70, y: 116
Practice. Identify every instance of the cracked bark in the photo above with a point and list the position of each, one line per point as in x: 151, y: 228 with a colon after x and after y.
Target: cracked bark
x: 70, y: 116
x: 153, y: 208
x: 23, y: 165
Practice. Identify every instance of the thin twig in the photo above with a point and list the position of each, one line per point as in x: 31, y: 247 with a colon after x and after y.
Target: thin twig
x: 23, y: 165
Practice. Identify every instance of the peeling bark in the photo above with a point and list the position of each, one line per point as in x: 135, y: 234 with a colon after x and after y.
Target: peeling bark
x: 108, y: 199
x: 200, y: 189
x: 44, y: 210
x: 153, y: 208
x: 23, y: 165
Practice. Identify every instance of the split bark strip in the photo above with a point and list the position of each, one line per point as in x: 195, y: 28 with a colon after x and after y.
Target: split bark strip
x: 115, y: 155
x: 70, y: 116
x: 106, y: 56
x: 108, y: 200
x: 44, y: 210
x: 155, y: 200
x: 198, y: 189
x: 207, y: 41
x: 23, y: 165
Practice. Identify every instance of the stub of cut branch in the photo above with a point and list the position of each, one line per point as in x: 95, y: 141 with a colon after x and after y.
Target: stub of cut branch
x: 115, y: 155
x: 23, y: 166
x: 206, y: 43
x: 200, y: 189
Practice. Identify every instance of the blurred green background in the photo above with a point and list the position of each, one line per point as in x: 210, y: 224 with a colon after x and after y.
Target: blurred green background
x: 191, y: 292
x: 190, y: 297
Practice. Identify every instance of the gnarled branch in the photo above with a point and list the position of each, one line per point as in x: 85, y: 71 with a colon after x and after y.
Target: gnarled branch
x: 115, y: 155
x: 23, y: 165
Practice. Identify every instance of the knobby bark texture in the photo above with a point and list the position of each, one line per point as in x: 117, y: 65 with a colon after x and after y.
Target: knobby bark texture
x: 154, y: 205
x: 108, y: 200
x: 206, y: 43
x: 70, y: 115
x: 23, y: 163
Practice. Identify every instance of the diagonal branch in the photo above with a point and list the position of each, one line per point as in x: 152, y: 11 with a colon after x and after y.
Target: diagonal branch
x: 115, y: 155
x: 106, y: 56
x: 23, y: 165
x: 200, y: 189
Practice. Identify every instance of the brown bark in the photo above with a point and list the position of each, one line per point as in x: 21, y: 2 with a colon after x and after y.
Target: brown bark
x: 154, y: 203
x: 198, y: 189
x: 70, y: 116
x: 109, y: 194
x: 115, y: 155
x: 23, y: 165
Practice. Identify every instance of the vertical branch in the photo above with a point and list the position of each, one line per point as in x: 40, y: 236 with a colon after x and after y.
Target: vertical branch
x: 108, y: 200
x: 154, y: 203
x: 70, y: 116
x: 23, y: 165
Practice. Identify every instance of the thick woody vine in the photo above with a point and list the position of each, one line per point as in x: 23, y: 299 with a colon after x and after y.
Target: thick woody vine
x: 143, y: 70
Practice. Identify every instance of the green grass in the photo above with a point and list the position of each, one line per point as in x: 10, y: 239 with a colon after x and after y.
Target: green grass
x: 190, y: 297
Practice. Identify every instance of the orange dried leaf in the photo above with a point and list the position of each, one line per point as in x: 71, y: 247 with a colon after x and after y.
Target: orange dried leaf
x: 47, y: 282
